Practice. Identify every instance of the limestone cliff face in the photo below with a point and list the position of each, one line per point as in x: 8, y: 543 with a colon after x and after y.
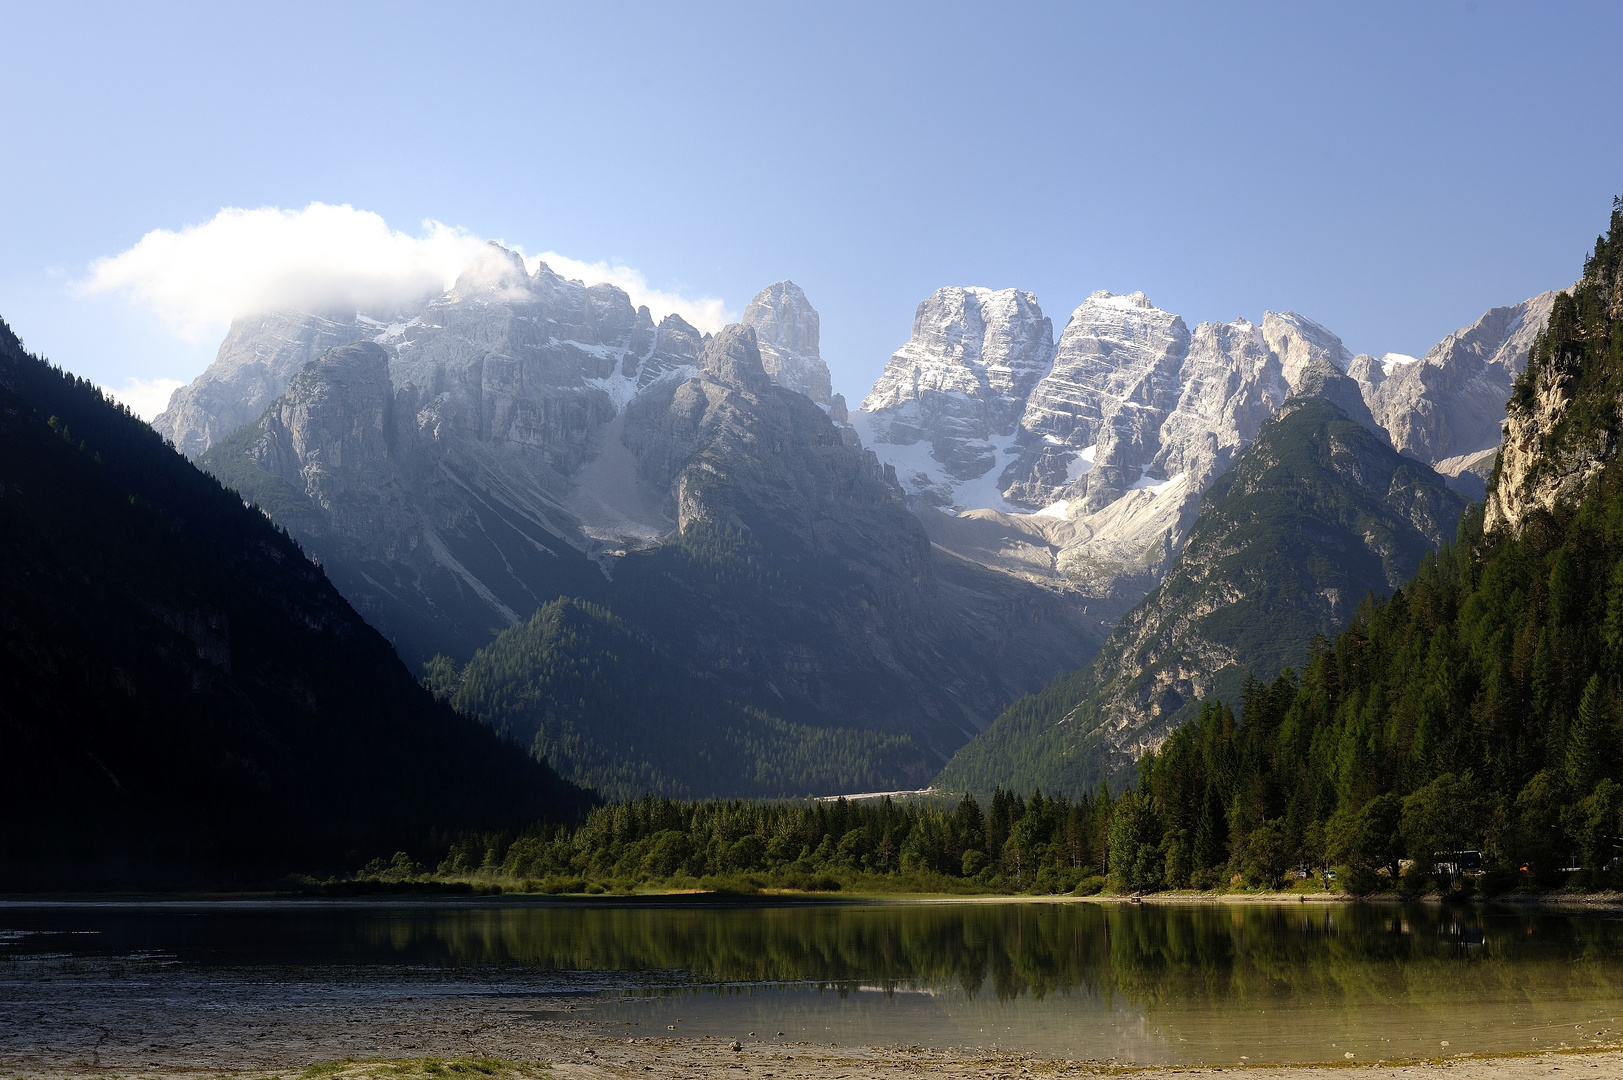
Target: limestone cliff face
x: 787, y: 330
x: 1448, y: 407
x: 254, y: 363
x: 1565, y: 419
x: 330, y: 435
x: 950, y: 399
x: 1114, y: 445
x: 524, y: 437
x: 1451, y: 402
x: 436, y: 468
x: 1100, y: 408
x: 1530, y: 477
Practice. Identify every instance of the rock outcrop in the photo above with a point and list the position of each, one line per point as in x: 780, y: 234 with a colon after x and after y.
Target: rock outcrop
x: 1564, y: 423
x: 1448, y: 407
x: 787, y: 331
x: 949, y: 401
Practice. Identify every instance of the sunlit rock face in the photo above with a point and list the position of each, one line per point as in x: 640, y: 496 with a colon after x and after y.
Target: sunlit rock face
x: 1448, y: 407
x: 1094, y: 420
x: 787, y: 330
x: 949, y: 401
x: 1314, y: 363
x: 1095, y: 486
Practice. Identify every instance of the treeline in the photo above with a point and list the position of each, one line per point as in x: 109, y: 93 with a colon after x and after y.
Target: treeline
x: 1014, y: 844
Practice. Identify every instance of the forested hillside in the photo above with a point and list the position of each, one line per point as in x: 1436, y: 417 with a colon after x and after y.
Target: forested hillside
x: 1478, y: 708
x: 579, y: 687
x: 184, y: 697
x: 1316, y: 514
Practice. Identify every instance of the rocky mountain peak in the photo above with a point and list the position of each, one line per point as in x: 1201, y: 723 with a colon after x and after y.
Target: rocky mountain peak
x: 732, y: 357
x: 496, y: 270
x: 787, y: 330
x: 1303, y: 344
x: 950, y: 399
x: 1135, y: 299
x: 1314, y: 363
x: 1448, y: 407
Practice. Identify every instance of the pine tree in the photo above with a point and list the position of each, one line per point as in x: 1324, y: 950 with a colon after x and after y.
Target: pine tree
x: 1589, y: 744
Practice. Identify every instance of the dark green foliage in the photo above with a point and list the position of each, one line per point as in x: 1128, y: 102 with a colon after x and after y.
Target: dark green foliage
x: 606, y: 709
x: 1038, y: 845
x: 1316, y: 514
x: 183, y: 695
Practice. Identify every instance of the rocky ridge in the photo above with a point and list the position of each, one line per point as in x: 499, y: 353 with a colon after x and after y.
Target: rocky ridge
x: 1096, y: 486
x: 1448, y: 407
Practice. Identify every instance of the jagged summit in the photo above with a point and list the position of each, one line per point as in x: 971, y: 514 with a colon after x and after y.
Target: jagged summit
x: 1096, y: 483
x: 787, y: 331
x: 946, y: 408
x: 1135, y: 299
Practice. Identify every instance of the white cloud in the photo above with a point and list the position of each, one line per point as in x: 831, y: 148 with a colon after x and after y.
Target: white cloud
x: 145, y: 397
x: 706, y: 313
x: 322, y: 257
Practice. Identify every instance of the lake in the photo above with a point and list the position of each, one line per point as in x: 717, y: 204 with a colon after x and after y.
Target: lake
x: 1141, y: 983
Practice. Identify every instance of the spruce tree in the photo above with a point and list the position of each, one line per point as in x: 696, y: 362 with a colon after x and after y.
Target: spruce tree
x: 1589, y: 743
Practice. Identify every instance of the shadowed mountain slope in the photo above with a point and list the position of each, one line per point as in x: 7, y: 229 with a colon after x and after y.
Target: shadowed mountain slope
x: 183, y: 694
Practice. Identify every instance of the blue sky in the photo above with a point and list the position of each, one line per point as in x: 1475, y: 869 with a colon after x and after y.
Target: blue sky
x: 1389, y: 171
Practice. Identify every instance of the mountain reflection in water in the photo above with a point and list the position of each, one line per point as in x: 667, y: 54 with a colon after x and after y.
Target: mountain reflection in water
x: 1137, y: 982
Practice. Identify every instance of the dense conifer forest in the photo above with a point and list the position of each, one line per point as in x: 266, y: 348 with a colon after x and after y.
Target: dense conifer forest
x: 550, y: 682
x: 1036, y: 845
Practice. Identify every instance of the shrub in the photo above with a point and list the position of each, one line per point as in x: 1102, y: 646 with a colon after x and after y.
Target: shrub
x: 1091, y: 885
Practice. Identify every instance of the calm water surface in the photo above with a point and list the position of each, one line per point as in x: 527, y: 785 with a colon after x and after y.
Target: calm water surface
x: 1141, y: 983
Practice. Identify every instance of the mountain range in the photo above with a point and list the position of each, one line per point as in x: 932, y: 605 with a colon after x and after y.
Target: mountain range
x: 524, y: 437
x: 980, y: 524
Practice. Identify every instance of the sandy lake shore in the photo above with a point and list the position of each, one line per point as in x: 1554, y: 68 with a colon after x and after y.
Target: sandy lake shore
x: 198, y: 1029
x: 566, y: 1057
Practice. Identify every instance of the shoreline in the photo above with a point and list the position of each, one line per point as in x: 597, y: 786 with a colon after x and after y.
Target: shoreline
x: 576, y: 1056
x: 1578, y: 903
